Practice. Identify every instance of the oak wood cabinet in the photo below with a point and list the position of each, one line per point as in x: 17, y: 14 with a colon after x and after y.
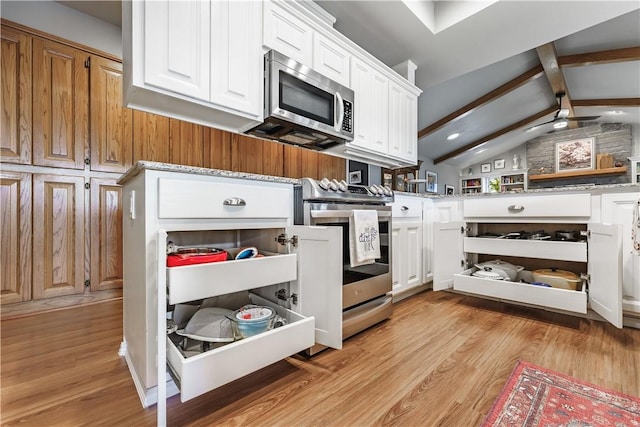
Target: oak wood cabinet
x: 106, y: 234
x: 15, y: 74
x: 15, y: 245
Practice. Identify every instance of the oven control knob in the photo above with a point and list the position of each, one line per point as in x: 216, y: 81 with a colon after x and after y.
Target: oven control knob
x: 374, y: 189
x: 342, y: 186
x: 387, y: 192
x: 382, y: 190
x: 333, y: 185
x: 324, y: 183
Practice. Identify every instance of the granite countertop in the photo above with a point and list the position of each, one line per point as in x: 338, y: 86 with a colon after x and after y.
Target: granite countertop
x: 168, y: 167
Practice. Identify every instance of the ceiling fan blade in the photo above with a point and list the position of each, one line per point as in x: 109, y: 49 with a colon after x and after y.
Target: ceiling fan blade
x: 582, y: 118
x: 534, y: 127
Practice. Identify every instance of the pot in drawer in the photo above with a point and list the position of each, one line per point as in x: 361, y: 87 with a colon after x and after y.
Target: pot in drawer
x: 557, y: 278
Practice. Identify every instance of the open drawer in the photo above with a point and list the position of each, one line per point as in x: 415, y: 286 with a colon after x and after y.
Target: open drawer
x: 206, y: 371
x: 193, y: 282
x: 561, y: 299
x: 565, y: 251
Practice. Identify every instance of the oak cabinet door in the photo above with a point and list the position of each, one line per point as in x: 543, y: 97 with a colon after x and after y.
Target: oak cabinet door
x: 15, y: 244
x: 61, y: 105
x: 15, y: 75
x: 106, y: 234
x: 111, y: 123
x: 58, y: 235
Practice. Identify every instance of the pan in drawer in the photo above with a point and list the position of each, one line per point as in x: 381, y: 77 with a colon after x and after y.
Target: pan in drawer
x: 206, y: 371
x: 562, y: 299
x: 193, y: 282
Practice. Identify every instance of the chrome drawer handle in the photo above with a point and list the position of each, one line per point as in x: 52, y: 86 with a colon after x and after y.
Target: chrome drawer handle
x: 404, y: 208
x: 234, y: 201
x: 516, y: 208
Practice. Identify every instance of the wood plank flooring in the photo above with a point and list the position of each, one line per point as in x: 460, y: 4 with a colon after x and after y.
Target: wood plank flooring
x: 439, y: 361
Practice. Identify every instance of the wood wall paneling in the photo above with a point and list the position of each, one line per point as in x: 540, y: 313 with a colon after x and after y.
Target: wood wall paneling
x: 61, y: 105
x: 151, y: 137
x: 186, y: 142
x: 15, y: 237
x: 217, y: 149
x: 58, y: 235
x: 300, y: 162
x: 16, y: 87
x: 332, y: 167
x: 272, y: 158
x: 246, y: 154
x: 106, y: 234
x: 111, y: 123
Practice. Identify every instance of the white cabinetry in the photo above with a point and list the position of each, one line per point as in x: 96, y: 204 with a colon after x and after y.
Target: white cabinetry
x: 618, y: 209
x: 371, y: 114
x: 635, y: 169
x: 458, y: 246
x: 164, y: 206
x: 288, y: 34
x: 197, y: 61
x: 331, y: 59
x: 428, y: 218
x: 406, y: 245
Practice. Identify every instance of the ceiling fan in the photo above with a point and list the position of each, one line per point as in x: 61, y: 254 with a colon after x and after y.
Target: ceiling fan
x: 561, y: 119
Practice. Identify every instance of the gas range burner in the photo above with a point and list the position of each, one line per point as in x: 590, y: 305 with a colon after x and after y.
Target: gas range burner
x: 326, y: 190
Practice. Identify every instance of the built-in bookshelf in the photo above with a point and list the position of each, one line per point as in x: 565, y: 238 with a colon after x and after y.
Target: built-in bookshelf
x: 635, y: 169
x: 471, y: 185
x: 513, y: 181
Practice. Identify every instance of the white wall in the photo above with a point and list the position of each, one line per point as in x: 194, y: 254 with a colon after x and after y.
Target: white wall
x: 448, y: 175
x: 476, y: 169
x: 54, y: 18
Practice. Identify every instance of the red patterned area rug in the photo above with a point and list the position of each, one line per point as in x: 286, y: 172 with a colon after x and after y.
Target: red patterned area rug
x: 536, y: 397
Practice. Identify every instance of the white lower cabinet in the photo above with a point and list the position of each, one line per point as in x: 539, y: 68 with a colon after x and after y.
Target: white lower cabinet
x: 460, y: 245
x: 306, y: 269
x: 406, y: 244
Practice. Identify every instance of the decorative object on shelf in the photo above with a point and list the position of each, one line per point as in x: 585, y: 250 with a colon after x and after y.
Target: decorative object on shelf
x: 470, y: 171
x: 575, y: 155
x: 485, y: 167
x: 432, y: 182
x: 604, y: 161
x: 355, y: 177
x: 516, y: 162
x: 498, y: 164
x: 402, y: 179
x: 448, y: 190
x: 494, y: 185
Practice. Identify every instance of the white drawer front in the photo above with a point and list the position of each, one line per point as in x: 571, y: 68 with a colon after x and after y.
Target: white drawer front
x: 207, y: 371
x: 193, y: 282
x: 406, y: 208
x: 556, y: 206
x: 565, y: 251
x: 206, y: 199
x: 561, y: 299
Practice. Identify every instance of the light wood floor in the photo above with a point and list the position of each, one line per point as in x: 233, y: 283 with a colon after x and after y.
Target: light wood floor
x: 440, y: 360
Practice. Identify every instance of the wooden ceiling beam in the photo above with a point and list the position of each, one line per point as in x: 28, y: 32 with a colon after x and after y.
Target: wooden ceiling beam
x: 549, y: 60
x: 607, y: 102
x: 502, y: 90
x: 496, y: 134
x: 601, y: 57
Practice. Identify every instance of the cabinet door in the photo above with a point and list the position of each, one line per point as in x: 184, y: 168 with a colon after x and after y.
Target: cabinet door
x: 60, y: 105
x: 287, y: 34
x: 448, y: 255
x: 236, y: 56
x: 58, y: 235
x: 106, y: 234
x: 371, y: 127
x: 111, y: 123
x: 605, y: 271
x: 319, y: 282
x: 428, y: 213
x: 15, y: 74
x: 396, y: 120
x: 397, y: 257
x: 331, y: 60
x: 413, y: 245
x: 177, y: 46
x: 15, y: 229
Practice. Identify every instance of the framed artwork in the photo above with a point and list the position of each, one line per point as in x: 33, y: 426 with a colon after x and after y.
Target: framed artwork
x: 485, y: 167
x: 387, y: 180
x: 431, y: 185
x: 575, y: 155
x: 448, y: 190
x: 355, y: 177
x: 498, y: 164
x: 400, y: 182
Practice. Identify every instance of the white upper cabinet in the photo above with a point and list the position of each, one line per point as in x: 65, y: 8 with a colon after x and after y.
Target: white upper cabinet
x: 288, y: 34
x: 331, y: 59
x: 196, y: 61
x: 371, y: 121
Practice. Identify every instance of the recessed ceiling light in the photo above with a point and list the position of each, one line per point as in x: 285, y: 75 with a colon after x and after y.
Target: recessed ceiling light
x: 615, y: 112
x: 453, y: 136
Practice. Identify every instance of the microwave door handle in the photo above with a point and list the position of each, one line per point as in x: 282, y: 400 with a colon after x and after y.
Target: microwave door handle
x: 340, y: 112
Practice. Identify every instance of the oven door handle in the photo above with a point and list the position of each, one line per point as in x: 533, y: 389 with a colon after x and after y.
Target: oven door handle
x: 342, y: 214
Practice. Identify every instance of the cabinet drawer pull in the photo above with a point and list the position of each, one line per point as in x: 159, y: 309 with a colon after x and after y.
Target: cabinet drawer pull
x: 404, y: 208
x: 234, y: 201
x: 516, y: 208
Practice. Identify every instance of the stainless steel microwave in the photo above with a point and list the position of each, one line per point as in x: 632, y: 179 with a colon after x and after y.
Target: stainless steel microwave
x: 303, y: 107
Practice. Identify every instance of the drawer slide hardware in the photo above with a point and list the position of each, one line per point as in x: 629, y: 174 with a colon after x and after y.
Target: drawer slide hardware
x: 281, y: 294
x: 284, y: 240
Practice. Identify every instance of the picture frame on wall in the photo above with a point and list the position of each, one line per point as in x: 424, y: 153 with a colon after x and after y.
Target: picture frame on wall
x: 431, y: 185
x: 485, y: 167
x: 449, y: 190
x: 498, y: 164
x: 355, y: 177
x: 387, y: 180
x: 578, y: 154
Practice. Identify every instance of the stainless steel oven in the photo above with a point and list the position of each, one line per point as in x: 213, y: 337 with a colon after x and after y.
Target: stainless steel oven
x: 366, y: 298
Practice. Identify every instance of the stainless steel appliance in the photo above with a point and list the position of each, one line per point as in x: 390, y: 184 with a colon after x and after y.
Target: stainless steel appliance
x: 366, y: 298
x: 303, y: 107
